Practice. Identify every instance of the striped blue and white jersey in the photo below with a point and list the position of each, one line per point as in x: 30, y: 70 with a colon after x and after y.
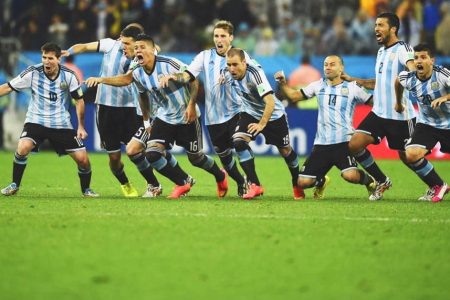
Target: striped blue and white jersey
x: 390, y: 62
x: 114, y: 63
x: 221, y: 101
x: 336, y: 108
x: 436, y: 86
x: 171, y: 101
x: 50, y: 99
x: 252, y: 88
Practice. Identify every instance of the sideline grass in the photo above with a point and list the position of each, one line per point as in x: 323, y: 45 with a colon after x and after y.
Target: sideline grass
x: 57, y: 245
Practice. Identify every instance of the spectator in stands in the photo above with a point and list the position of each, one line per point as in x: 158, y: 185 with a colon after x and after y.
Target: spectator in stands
x: 361, y: 33
x: 410, y: 15
x: 30, y: 36
x: 82, y: 22
x: 336, y: 39
x: 431, y: 20
x: 291, y: 44
x: 267, y: 46
x: 443, y: 31
x: 244, y: 39
x: 58, y: 30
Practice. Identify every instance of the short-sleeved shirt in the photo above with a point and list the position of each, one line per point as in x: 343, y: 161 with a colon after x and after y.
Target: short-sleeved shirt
x: 390, y: 62
x: 252, y: 88
x: 114, y: 63
x: 172, y: 101
x: 50, y: 99
x: 336, y: 108
x: 221, y: 100
x: 425, y: 92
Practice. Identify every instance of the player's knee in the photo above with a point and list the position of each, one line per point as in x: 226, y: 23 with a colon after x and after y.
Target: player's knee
x: 153, y: 155
x: 285, y: 151
x: 305, y: 182
x: 24, y: 148
x: 357, y: 143
x: 196, y: 158
x: 114, y: 157
x: 82, y: 160
x: 134, y: 148
x: 240, y: 144
x: 412, y: 155
x: 351, y: 175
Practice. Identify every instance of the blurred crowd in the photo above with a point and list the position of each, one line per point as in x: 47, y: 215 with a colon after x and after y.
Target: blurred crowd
x: 262, y: 27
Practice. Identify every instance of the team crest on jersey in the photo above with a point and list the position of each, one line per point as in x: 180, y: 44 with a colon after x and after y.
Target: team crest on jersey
x: 392, y: 56
x: 63, y: 85
x: 344, y: 91
x: 435, y: 86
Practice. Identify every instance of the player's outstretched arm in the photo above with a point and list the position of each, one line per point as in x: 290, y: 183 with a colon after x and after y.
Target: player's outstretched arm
x: 367, y: 83
x: 81, y: 131
x: 80, y: 48
x: 121, y: 80
x: 5, y: 89
x: 288, y: 92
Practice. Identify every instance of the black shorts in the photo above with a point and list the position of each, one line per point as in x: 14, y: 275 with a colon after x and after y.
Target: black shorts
x: 141, y: 135
x: 324, y: 157
x: 396, y: 132
x: 221, y: 135
x: 116, y: 125
x: 426, y: 136
x: 188, y: 136
x: 64, y: 141
x: 276, y: 132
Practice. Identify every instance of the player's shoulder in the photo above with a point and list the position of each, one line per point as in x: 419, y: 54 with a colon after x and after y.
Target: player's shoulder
x: 168, y: 60
x: 67, y: 70
x: 406, y: 46
x: 441, y: 70
x: 33, y: 68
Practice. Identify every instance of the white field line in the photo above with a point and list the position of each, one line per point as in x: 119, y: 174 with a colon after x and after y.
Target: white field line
x: 230, y: 216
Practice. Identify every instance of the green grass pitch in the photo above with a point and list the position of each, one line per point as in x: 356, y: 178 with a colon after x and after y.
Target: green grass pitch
x: 56, y: 245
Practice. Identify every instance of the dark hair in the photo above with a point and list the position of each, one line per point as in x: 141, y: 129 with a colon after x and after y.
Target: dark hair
x: 306, y: 59
x: 131, y: 31
x: 236, y: 51
x: 393, y: 20
x: 146, y: 38
x: 51, y: 47
x: 225, y: 25
x: 424, y: 47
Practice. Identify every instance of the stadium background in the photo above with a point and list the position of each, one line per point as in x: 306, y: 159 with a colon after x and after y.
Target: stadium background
x: 277, y: 33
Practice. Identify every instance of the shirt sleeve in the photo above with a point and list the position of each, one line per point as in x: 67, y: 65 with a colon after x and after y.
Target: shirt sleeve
x: 176, y: 66
x: 74, y: 87
x: 403, y: 78
x: 311, y: 89
x: 23, y: 81
x: 444, y: 74
x: 196, y: 66
x: 105, y: 45
x: 139, y: 86
x: 361, y: 95
x: 134, y: 64
x: 257, y: 76
x: 405, y: 54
